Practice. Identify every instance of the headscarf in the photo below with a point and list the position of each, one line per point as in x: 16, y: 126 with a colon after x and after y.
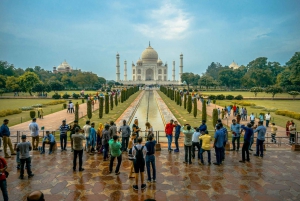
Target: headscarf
x: 100, y: 129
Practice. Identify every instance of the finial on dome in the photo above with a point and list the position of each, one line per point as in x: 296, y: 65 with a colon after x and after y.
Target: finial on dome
x: 149, y: 44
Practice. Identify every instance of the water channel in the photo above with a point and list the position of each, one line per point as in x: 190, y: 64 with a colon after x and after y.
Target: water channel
x: 148, y: 111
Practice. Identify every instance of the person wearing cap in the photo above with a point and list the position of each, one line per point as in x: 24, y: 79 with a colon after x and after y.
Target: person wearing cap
x: 63, y: 135
x: 34, y: 131
x: 72, y: 129
x: 5, y: 134
x: 24, y: 148
x: 48, y: 139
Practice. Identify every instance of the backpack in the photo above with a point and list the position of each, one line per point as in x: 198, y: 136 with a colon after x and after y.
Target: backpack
x: 139, y: 156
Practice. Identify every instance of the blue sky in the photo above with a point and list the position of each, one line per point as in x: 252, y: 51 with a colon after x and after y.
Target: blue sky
x: 88, y: 34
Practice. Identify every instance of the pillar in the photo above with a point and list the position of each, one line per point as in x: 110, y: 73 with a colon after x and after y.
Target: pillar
x: 173, y: 71
x: 118, y: 67
x: 125, y: 70
x: 180, y: 68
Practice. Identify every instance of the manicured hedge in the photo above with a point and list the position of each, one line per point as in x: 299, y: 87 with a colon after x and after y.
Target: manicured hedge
x: 288, y: 113
x: 7, y: 112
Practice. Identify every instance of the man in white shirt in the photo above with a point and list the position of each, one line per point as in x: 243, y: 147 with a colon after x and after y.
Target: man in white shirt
x: 87, y: 129
x: 34, y: 131
x: 71, y: 107
x: 196, y: 143
x: 252, y: 117
x: 268, y: 118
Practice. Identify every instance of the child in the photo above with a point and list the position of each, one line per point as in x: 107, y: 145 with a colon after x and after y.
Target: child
x: 150, y: 158
x: 139, y: 152
x: 130, y: 146
x: 205, y: 147
x: 273, y: 132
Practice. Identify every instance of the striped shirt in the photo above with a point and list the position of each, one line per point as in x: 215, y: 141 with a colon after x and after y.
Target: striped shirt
x: 63, y: 129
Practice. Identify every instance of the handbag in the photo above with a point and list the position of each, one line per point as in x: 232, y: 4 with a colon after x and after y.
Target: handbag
x: 6, y: 174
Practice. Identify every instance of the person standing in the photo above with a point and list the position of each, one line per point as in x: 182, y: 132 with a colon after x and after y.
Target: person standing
x: 273, y: 132
x: 63, y: 135
x: 149, y: 130
x: 115, y: 152
x: 112, y: 129
x: 205, y: 139
x: 196, y: 143
x: 292, y: 131
x: 87, y: 129
x: 75, y: 125
x: 92, y: 140
x: 188, y: 131
x: 225, y: 134
x: 219, y: 112
x: 34, y: 131
x: 125, y: 132
x: 150, y: 159
x: 78, y: 148
x: 24, y: 148
x: 139, y: 152
x: 261, y: 117
x: 105, y: 140
x: 261, y: 132
x: 136, y: 129
x: 218, y: 144
x: 177, y: 135
x: 5, y: 134
x: 287, y: 125
x: 268, y: 118
x: 202, y: 127
x: 169, y: 134
x: 252, y: 118
x: 3, y: 183
x: 71, y: 107
x: 99, y: 137
x: 130, y: 147
x: 236, y: 131
x: 247, y: 136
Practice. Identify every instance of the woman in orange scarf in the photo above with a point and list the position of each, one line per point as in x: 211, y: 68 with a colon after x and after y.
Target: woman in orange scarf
x: 99, y: 137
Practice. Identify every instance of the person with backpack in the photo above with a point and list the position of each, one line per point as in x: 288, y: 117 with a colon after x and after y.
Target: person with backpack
x: 139, y: 151
x: 150, y: 158
x: 115, y: 152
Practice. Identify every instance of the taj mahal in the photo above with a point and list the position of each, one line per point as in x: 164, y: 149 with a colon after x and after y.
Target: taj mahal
x: 149, y: 70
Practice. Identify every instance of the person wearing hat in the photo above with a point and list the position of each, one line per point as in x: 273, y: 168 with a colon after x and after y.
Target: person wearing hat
x: 63, y: 135
x: 24, y: 148
x: 5, y: 134
x: 72, y: 129
x: 34, y: 130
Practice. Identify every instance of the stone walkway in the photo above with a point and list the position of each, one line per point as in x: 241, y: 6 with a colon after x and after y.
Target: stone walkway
x: 272, y: 178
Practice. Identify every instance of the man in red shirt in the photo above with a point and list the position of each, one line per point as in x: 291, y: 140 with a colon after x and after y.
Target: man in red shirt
x: 3, y: 184
x: 169, y: 133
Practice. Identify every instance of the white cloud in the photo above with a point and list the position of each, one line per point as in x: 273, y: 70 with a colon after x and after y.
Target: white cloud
x: 167, y: 22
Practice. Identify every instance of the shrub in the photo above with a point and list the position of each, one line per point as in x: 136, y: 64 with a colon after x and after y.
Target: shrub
x: 243, y: 103
x: 239, y: 97
x: 75, y: 96
x: 4, y: 113
x: 257, y: 107
x: 56, y: 102
x: 106, y: 104
x: 189, y: 104
x: 89, y: 109
x: 26, y: 108
x: 32, y: 114
x: 77, y: 111
x: 214, y: 101
x: 229, y: 97
x: 215, y: 117
x: 56, y: 96
x: 270, y: 109
x: 66, y: 96
x: 288, y: 113
x: 37, y: 105
x: 212, y: 97
x: 101, y: 107
x: 220, y: 97
x: 82, y: 100
x: 204, y: 114
x: 65, y: 105
x: 195, y: 108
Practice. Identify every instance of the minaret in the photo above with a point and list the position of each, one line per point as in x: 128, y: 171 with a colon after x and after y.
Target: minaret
x: 125, y: 70
x: 118, y: 67
x: 173, y: 71
x: 180, y: 67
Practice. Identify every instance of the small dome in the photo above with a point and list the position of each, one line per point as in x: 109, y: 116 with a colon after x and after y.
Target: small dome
x: 139, y: 61
x: 64, y: 65
x: 234, y: 65
x: 149, y: 54
x: 159, y: 61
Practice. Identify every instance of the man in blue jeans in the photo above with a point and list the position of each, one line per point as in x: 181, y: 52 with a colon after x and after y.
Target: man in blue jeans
x: 236, y: 131
x: 218, y: 144
x: 261, y: 132
x: 177, y: 134
x: 63, y: 135
x: 150, y: 158
x: 169, y: 134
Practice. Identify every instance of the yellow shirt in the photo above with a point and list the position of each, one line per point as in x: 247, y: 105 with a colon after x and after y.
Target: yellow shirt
x: 273, y: 129
x: 205, y: 141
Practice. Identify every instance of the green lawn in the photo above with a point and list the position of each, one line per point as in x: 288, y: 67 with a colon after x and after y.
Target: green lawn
x: 245, y: 94
x: 23, y: 94
x: 292, y: 105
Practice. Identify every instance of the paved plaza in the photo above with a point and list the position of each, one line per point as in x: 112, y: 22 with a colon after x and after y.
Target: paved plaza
x: 275, y: 177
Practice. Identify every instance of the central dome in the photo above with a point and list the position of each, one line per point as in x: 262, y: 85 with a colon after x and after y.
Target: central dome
x: 149, y: 54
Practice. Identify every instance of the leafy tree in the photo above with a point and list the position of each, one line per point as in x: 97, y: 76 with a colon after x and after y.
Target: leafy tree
x: 56, y: 85
x: 101, y: 107
x: 190, y: 79
x: 274, y: 90
x: 204, y: 113
x: 294, y: 93
x: 294, y: 66
x: 6, y: 69
x: 41, y: 87
x: 195, y: 108
x: 256, y: 90
x: 215, y: 117
x: 106, y: 104
x: 283, y: 79
x: 2, y: 81
x: 89, y: 109
x: 28, y: 80
x: 207, y: 81
x: 189, y: 104
x: 213, y: 70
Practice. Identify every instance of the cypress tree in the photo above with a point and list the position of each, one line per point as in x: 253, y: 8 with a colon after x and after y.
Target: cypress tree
x: 180, y: 100
x: 184, y: 101
x: 189, y: 104
x: 111, y: 102
x: 76, y: 111
x: 106, y: 104
x: 89, y: 109
x: 122, y: 96
x: 116, y: 99
x: 195, y: 107
x: 204, y: 114
x: 215, y: 117
x: 101, y: 107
